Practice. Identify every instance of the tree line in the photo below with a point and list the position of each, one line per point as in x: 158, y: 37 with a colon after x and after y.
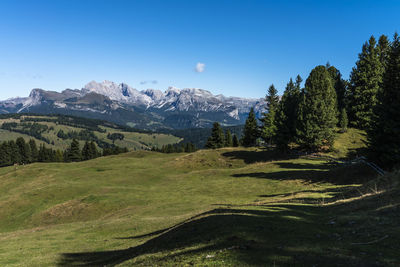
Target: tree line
x: 21, y: 152
x: 308, y: 116
x: 176, y: 148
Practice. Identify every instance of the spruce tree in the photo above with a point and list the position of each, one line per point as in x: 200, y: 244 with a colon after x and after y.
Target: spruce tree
x: 217, y: 138
x: 86, y: 153
x: 228, y: 138
x: 340, y: 87
x: 235, y: 141
x: 268, y: 121
x: 24, y: 151
x: 343, y: 120
x: 34, y: 150
x: 74, y: 152
x: 365, y: 81
x: 383, y: 49
x: 286, y: 118
x: 383, y: 137
x: 250, y: 131
x: 317, y: 111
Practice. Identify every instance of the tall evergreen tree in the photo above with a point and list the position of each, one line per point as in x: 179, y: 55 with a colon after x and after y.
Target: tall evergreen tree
x: 228, y: 139
x: 268, y: 121
x: 235, y: 141
x: 384, y: 141
x: 73, y: 152
x: 34, y: 150
x: 250, y: 131
x: 383, y: 49
x: 24, y: 151
x: 286, y: 118
x: 317, y: 111
x: 343, y: 120
x: 365, y: 81
x: 340, y: 87
x: 217, y: 138
x: 14, y: 152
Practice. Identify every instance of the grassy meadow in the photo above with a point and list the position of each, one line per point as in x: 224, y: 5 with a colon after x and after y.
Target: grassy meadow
x: 230, y: 207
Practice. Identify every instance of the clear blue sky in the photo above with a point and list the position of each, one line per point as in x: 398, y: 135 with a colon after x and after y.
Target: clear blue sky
x: 245, y: 45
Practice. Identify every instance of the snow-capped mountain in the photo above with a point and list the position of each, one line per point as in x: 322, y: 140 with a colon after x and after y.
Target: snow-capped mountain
x: 176, y: 108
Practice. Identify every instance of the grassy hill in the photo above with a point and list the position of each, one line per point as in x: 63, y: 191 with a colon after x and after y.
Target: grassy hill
x: 45, y: 129
x: 231, y: 207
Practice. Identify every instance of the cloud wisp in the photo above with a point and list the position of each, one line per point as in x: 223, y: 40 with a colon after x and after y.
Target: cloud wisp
x: 200, y: 67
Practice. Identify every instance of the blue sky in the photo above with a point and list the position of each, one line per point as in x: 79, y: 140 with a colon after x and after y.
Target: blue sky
x: 244, y: 45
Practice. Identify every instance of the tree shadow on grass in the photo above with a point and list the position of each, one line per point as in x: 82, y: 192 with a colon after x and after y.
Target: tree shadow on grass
x: 326, y: 172
x: 261, y: 155
x: 286, y: 235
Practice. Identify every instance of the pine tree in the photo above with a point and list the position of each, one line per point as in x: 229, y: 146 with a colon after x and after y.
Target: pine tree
x: 365, y: 81
x: 383, y: 137
x: 383, y: 49
x: 34, y: 150
x: 235, y: 141
x: 217, y: 139
x: 86, y: 153
x: 268, y: 127
x: 24, y: 151
x: 74, y: 152
x: 250, y: 131
x: 228, y: 139
x: 15, y: 154
x: 93, y: 150
x: 340, y: 87
x: 317, y: 111
x: 286, y: 118
x: 343, y: 120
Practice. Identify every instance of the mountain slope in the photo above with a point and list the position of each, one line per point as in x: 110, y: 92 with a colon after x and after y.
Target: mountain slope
x: 149, y: 109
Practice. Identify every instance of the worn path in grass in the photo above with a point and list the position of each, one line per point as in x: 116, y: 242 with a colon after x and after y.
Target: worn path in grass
x: 220, y: 207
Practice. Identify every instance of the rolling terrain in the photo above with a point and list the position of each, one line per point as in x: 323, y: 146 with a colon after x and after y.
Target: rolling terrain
x: 47, y: 129
x: 231, y: 207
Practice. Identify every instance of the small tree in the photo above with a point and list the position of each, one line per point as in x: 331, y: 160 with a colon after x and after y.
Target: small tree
x: 228, y: 139
x: 217, y: 139
x: 74, y: 152
x: 235, y: 141
x: 268, y: 127
x: 343, y: 121
x: 250, y: 131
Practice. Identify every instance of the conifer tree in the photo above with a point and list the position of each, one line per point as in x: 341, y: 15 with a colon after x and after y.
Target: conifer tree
x: 268, y: 121
x: 340, y: 87
x: 317, y: 111
x: 34, y: 150
x: 383, y: 49
x: 93, y: 150
x: 365, y: 81
x: 235, y: 141
x: 250, y: 131
x: 217, y: 138
x: 86, y: 153
x: 383, y: 137
x: 15, y: 154
x: 286, y: 118
x: 343, y: 120
x: 228, y: 138
x: 74, y: 152
x: 24, y: 151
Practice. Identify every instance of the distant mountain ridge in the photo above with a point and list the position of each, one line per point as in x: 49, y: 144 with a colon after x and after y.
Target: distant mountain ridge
x: 148, y: 109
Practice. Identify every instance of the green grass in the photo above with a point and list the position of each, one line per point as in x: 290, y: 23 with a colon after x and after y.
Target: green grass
x: 132, y: 140
x: 231, y: 207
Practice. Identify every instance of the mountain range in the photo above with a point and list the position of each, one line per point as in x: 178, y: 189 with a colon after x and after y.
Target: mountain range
x: 148, y: 109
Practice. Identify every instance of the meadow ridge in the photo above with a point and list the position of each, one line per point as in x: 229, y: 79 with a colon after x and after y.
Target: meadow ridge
x: 230, y: 206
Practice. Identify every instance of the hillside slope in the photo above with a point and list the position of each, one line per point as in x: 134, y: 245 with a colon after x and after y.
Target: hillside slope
x: 220, y: 207
x: 48, y: 129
